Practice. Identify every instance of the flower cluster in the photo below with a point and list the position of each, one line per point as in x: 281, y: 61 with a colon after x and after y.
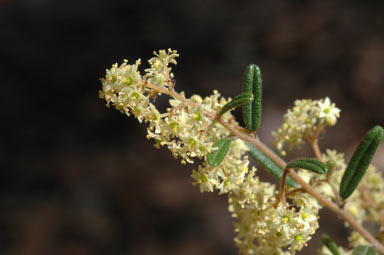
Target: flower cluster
x: 123, y: 88
x: 184, y: 128
x: 306, y: 119
x: 367, y: 202
x: 227, y: 176
x: 159, y: 74
x: 265, y: 229
x: 188, y: 131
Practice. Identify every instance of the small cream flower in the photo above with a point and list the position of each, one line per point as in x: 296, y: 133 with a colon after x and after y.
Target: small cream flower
x: 328, y: 111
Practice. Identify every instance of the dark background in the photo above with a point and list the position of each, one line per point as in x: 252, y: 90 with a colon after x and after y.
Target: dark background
x: 78, y: 178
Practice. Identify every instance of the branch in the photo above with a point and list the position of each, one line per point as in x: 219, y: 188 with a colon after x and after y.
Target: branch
x: 325, y: 202
x: 235, y: 130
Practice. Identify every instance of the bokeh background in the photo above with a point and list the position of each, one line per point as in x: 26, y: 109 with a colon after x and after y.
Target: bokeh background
x: 78, y: 178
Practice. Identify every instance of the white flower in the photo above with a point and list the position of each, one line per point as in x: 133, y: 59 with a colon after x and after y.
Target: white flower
x: 328, y: 111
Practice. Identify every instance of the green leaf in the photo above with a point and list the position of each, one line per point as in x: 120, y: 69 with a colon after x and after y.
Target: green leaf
x: 310, y: 164
x: 360, y: 161
x: 364, y: 250
x: 237, y: 101
x: 248, y: 88
x: 256, y: 103
x: 270, y: 166
x: 252, y: 110
x: 332, y: 247
x: 217, y: 156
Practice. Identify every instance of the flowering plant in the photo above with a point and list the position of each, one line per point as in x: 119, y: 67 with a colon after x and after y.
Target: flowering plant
x: 267, y: 220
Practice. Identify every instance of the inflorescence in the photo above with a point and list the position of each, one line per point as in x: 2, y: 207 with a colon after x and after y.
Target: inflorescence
x: 189, y: 129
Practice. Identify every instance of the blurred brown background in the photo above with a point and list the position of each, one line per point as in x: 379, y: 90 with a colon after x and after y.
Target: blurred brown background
x: 78, y: 178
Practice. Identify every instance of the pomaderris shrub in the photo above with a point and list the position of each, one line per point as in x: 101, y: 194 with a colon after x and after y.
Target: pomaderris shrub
x: 203, y: 129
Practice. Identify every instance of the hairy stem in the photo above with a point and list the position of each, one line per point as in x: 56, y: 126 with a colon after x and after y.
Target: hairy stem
x: 316, y: 149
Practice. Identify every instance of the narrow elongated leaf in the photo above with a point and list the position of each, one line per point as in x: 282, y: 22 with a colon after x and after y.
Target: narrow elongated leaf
x: 217, y: 156
x: 364, y: 250
x: 360, y: 161
x: 256, y: 103
x: 310, y: 164
x: 248, y: 88
x: 270, y: 166
x: 237, y: 101
x: 332, y: 247
x: 252, y: 110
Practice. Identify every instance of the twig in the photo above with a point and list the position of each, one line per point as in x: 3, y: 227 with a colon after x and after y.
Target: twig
x: 314, y: 142
x: 316, y: 149
x: 282, y: 189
